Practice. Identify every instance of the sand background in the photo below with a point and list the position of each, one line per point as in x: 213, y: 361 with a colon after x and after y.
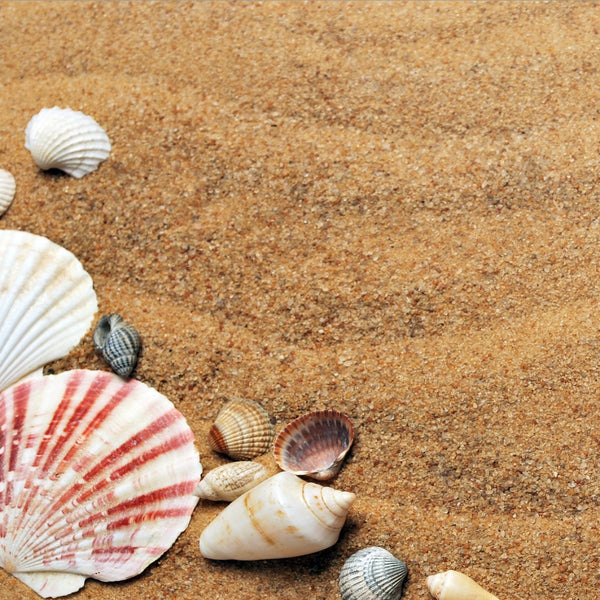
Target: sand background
x: 391, y: 209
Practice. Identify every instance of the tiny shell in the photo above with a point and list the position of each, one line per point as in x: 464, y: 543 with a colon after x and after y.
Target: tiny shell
x: 314, y: 444
x: 96, y: 479
x: 47, y: 303
x: 372, y: 573
x: 281, y: 517
x: 453, y: 585
x: 118, y: 342
x: 241, y: 430
x: 7, y: 190
x: 65, y: 139
x: 230, y: 481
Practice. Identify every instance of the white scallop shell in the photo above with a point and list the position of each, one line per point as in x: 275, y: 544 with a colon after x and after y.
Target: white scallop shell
x: 372, y: 573
x: 65, y: 139
x: 231, y: 480
x: 7, y: 190
x: 454, y: 585
x: 96, y: 479
x: 283, y: 516
x: 47, y: 303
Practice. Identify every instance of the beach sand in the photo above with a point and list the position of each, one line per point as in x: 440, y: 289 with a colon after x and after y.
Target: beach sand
x: 391, y: 209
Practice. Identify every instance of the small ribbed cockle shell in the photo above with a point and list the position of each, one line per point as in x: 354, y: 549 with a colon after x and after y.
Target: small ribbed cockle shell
x: 118, y: 342
x: 314, y: 444
x: 96, y: 479
x: 65, y: 139
x: 241, y: 430
x: 281, y: 517
x: 7, y: 190
x: 229, y: 481
x: 454, y: 585
x: 372, y: 573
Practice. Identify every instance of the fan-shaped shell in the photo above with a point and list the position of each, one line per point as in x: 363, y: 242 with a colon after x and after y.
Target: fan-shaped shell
x: 7, y: 190
x: 65, y: 139
x: 372, y: 573
x: 47, y: 303
x: 242, y: 430
x: 454, y: 585
x: 231, y: 480
x: 314, y: 444
x: 118, y: 342
x: 96, y: 479
x: 283, y: 516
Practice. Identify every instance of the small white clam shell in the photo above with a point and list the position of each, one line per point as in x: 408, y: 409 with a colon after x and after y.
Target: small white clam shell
x: 47, y: 303
x: 454, y: 585
x: 7, y: 190
x: 65, y: 139
x: 229, y: 481
x: 283, y: 516
x: 96, y: 479
x: 372, y: 573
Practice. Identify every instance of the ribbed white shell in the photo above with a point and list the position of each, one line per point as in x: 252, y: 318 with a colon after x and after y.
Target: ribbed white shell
x: 47, y: 303
x: 96, y: 479
x: 7, y: 190
x: 65, y: 139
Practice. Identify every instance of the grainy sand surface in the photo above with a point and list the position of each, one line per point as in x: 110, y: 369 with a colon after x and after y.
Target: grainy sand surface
x: 391, y: 209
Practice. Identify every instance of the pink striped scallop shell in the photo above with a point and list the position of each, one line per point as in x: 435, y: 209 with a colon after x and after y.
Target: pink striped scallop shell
x: 96, y: 479
x: 314, y: 444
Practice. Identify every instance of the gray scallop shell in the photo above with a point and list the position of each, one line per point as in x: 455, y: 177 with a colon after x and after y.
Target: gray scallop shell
x: 372, y: 573
x: 118, y: 342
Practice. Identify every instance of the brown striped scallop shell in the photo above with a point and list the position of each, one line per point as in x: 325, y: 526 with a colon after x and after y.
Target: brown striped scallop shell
x: 242, y: 430
x: 314, y: 444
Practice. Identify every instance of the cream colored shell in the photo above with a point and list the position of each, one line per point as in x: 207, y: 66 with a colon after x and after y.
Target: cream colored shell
x: 283, y: 516
x: 7, y: 190
x: 229, y: 481
x: 453, y: 585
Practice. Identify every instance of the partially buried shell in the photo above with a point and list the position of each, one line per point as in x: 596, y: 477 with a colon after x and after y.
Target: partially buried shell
x: 230, y: 481
x: 314, y: 444
x: 7, y: 190
x: 372, y: 573
x: 47, y: 303
x: 96, y: 479
x: 118, y: 342
x: 65, y: 139
x: 241, y: 430
x: 454, y: 585
x: 283, y: 516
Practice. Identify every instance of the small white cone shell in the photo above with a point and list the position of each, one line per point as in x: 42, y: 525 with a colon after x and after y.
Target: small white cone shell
x: 65, y: 139
x: 8, y: 188
x: 47, y: 303
x: 96, y: 479
x: 454, y: 585
x: 282, y: 517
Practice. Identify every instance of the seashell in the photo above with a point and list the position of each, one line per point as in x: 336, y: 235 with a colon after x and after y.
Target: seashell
x: 453, y: 585
x: 96, y: 479
x: 47, y: 303
x: 118, y: 342
x: 314, y: 444
x: 241, y: 430
x: 372, y: 573
x: 65, y: 139
x: 281, y: 517
x: 230, y: 481
x: 7, y: 190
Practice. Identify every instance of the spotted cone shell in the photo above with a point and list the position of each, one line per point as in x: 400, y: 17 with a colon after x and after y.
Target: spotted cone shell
x: 231, y: 480
x: 241, y: 430
x: 118, y: 342
x: 314, y: 444
x: 96, y: 479
x: 372, y: 573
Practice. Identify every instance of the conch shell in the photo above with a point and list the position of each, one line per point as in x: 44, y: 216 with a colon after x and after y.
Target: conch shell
x: 453, y: 585
x: 284, y: 516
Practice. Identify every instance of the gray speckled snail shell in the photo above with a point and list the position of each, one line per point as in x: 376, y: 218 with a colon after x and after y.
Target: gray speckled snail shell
x: 372, y: 573
x: 118, y: 342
